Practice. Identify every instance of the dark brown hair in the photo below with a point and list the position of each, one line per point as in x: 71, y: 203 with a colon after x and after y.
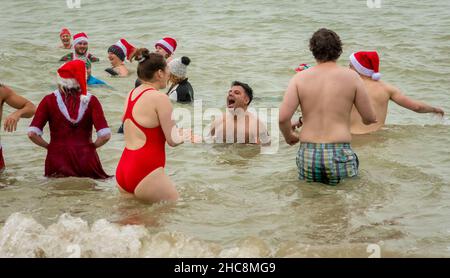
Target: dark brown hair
x: 149, y: 63
x: 325, y: 45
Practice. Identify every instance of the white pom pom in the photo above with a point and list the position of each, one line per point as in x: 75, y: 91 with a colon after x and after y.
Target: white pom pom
x: 84, y: 98
x: 376, y: 76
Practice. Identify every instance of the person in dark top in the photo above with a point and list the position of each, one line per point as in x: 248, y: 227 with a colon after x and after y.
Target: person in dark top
x: 180, y: 89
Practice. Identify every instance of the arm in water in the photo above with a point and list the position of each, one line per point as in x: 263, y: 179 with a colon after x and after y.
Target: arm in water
x: 164, y: 110
x: 411, y: 104
x: 37, y: 125
x: 363, y: 104
x: 100, y: 124
x: 287, y: 110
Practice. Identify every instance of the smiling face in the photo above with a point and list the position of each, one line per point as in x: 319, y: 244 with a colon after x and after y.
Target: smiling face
x: 162, y: 51
x: 65, y: 38
x: 81, y: 48
x: 237, y: 98
x: 113, y: 59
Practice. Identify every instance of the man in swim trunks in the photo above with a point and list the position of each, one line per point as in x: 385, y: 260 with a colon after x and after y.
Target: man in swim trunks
x: 65, y: 38
x: 380, y: 93
x: 237, y: 124
x: 326, y: 94
x: 25, y: 109
x: 80, y: 50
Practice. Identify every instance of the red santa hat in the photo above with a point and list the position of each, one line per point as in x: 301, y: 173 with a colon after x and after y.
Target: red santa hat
x: 367, y: 63
x: 64, y: 31
x: 122, y: 49
x: 80, y: 37
x: 73, y: 75
x: 168, y: 44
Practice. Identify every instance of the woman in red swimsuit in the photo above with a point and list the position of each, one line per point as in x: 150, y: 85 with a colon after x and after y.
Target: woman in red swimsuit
x: 148, y: 125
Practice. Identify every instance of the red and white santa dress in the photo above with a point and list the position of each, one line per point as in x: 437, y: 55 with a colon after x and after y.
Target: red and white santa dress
x: 71, y: 117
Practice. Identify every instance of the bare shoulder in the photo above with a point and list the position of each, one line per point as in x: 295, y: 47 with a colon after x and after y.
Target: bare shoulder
x: 388, y: 88
x: 350, y: 74
x: 156, y: 97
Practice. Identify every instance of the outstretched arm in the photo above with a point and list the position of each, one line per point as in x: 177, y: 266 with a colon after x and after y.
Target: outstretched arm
x: 287, y: 110
x: 25, y: 109
x: 417, y: 106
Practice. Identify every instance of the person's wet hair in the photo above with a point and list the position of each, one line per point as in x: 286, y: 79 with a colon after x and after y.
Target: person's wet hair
x: 325, y: 45
x: 149, y: 63
x: 248, y: 90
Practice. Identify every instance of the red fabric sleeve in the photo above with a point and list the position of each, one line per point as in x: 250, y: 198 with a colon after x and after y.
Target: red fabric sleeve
x: 42, y: 114
x: 98, y: 117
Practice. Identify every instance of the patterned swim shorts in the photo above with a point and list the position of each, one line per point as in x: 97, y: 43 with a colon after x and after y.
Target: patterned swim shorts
x: 326, y: 163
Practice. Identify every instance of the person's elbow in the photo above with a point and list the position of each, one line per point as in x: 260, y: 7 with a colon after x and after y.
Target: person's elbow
x: 105, y: 138
x: 283, y: 119
x: 31, y: 110
x: 173, y: 143
x: 32, y: 136
x: 370, y: 120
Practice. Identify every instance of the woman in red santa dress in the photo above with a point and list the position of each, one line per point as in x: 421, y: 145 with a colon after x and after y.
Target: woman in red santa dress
x: 71, y: 112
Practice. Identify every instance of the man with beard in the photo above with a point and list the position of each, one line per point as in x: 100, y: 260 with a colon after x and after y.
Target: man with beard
x: 80, y: 50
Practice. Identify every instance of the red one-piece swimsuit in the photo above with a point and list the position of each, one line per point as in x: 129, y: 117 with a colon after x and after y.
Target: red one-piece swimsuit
x: 135, y: 165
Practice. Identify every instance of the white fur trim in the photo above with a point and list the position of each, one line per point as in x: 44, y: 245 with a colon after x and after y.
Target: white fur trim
x: 78, y: 40
x: 69, y: 83
x: 168, y: 46
x: 376, y: 76
x: 36, y: 130
x: 62, y: 107
x: 360, y: 68
x: 103, y: 132
x: 124, y: 49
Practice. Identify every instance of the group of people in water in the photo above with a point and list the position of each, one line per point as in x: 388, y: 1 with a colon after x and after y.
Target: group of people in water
x: 334, y: 102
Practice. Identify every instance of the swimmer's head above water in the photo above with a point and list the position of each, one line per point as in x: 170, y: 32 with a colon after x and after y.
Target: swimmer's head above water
x: 65, y: 36
x: 240, y: 95
x: 152, y: 68
x: 120, y: 50
x: 80, y: 44
x: 166, y: 47
x: 366, y: 63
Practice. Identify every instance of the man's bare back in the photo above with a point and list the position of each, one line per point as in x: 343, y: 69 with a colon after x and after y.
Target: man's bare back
x: 326, y: 94
x: 380, y: 93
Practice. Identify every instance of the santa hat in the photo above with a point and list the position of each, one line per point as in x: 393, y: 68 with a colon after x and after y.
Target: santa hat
x: 122, y: 49
x: 80, y: 37
x: 72, y: 75
x: 64, y: 31
x: 168, y: 44
x: 366, y: 63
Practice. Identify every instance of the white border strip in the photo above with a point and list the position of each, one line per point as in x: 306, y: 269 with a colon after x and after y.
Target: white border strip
x: 103, y: 132
x: 36, y: 130
x: 360, y: 68
x: 124, y: 49
x: 168, y: 46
